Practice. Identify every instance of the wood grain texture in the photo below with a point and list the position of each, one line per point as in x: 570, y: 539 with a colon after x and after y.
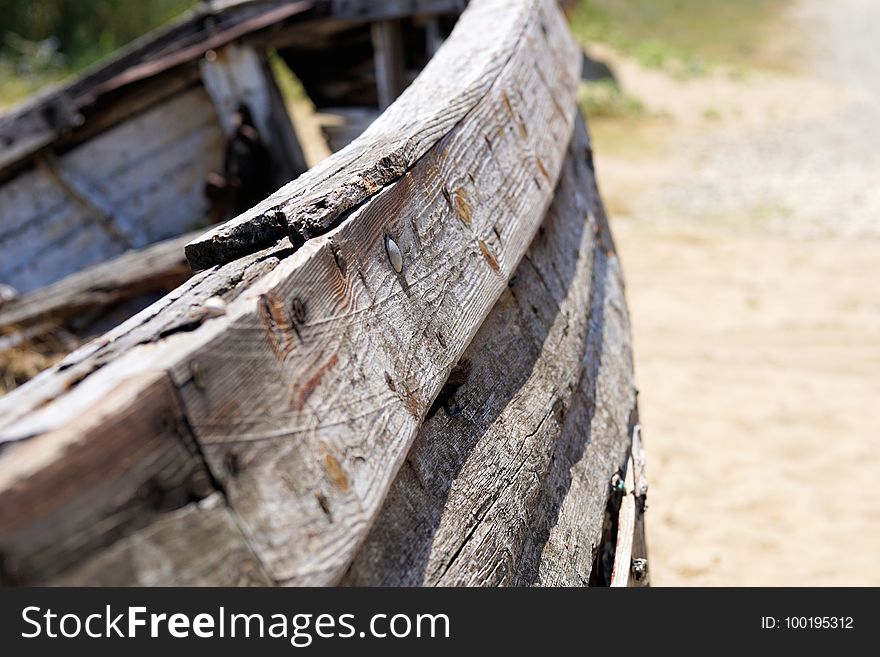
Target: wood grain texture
x: 42, y: 405
x: 496, y: 461
x: 301, y: 402
x: 149, y: 173
x: 302, y: 397
x: 626, y: 527
x: 121, y: 461
x: 585, y: 466
x: 198, y: 545
x: 161, y: 266
x: 489, y: 36
x: 605, y: 400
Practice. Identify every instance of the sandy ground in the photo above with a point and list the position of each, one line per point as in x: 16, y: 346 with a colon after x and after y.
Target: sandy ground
x: 747, y: 214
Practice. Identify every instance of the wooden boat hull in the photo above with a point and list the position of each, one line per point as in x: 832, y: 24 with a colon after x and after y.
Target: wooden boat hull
x: 420, y: 373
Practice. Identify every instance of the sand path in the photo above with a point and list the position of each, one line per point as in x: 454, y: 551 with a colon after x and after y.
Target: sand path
x: 748, y: 220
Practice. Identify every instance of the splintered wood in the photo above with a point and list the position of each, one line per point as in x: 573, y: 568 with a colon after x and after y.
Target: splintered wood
x: 405, y: 347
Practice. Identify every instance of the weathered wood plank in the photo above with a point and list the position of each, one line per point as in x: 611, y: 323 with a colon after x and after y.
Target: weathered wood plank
x: 626, y: 527
x: 388, y: 60
x: 54, y: 220
x: 153, y: 167
x: 305, y: 396
x: 477, y: 490
x: 198, y: 545
x: 57, y: 115
x: 161, y: 266
x: 458, y: 512
x: 31, y: 131
x: 83, y: 194
x: 130, y: 103
x: 606, y: 401
x: 489, y: 35
x: 178, y: 312
x: 301, y: 397
x: 238, y: 74
x: 149, y: 173
x: 312, y: 382
x: 127, y: 456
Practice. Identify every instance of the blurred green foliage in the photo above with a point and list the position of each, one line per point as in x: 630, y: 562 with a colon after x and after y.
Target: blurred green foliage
x: 43, y: 41
x: 683, y: 37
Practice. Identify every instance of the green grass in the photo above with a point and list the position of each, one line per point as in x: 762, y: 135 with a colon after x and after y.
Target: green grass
x: 84, y: 32
x: 683, y: 37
